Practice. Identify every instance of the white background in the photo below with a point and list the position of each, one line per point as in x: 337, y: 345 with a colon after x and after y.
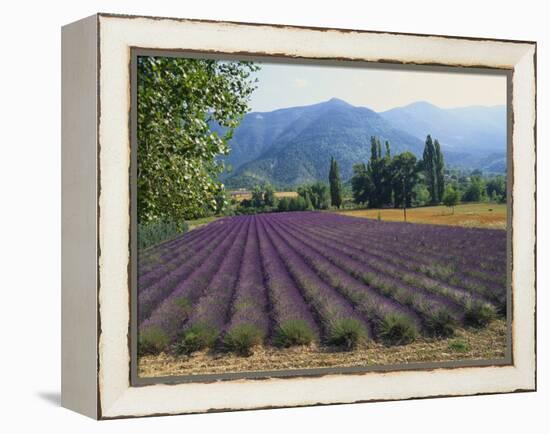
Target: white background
x: 30, y: 216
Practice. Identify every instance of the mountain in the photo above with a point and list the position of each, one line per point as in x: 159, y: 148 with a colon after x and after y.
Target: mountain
x: 305, y: 138
x: 292, y: 146
x: 468, y: 135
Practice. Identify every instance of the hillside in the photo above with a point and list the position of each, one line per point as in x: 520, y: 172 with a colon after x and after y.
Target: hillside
x: 292, y: 146
x: 301, y: 151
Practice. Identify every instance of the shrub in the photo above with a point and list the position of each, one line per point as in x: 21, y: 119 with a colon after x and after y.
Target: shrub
x: 242, y: 338
x: 441, y: 324
x: 293, y: 332
x: 348, y: 334
x: 158, y: 231
x: 152, y: 340
x: 478, y: 314
x: 395, y: 329
x: 195, y: 338
x: 459, y: 346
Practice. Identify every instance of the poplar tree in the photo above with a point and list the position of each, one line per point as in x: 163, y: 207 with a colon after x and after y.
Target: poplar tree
x: 335, y: 183
x: 428, y: 163
x: 439, y: 164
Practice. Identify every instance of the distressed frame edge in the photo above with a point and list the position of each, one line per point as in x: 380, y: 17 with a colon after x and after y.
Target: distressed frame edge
x: 79, y: 135
x: 529, y: 388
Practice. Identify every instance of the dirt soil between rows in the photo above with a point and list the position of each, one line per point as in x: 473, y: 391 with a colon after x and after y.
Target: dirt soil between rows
x: 467, y: 344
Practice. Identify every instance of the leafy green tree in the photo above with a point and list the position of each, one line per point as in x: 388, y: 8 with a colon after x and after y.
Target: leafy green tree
x: 335, y: 183
x: 451, y: 197
x: 405, y: 176
x: 284, y: 204
x: 317, y: 194
x: 269, y: 196
x: 297, y: 204
x: 378, y: 169
x: 257, y: 199
x: 496, y: 188
x: 178, y: 101
x: 421, y: 195
x: 361, y: 184
x: 476, y: 190
x: 439, y: 165
x: 320, y: 195
x: 429, y: 167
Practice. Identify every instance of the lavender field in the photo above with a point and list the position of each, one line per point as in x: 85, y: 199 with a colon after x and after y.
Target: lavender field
x: 285, y: 279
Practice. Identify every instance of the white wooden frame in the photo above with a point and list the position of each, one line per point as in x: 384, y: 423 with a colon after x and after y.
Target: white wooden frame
x: 96, y: 219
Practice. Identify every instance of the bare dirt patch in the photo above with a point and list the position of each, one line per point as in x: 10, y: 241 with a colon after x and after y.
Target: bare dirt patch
x: 467, y: 344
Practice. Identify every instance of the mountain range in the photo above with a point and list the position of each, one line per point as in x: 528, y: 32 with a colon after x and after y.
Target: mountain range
x: 292, y: 146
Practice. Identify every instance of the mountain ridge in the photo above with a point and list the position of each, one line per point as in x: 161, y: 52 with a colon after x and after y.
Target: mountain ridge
x: 291, y: 146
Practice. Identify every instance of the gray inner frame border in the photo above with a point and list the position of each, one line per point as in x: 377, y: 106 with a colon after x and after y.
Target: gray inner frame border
x: 136, y: 380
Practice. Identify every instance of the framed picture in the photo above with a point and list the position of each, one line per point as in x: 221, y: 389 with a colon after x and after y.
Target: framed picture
x: 262, y: 216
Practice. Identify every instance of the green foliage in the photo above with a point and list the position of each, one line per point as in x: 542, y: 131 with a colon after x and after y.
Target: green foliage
x: 284, y: 204
x: 421, y: 195
x: 441, y: 324
x: 475, y: 191
x: 379, y: 172
x: 395, y: 329
x: 178, y: 101
x: 361, y: 184
x: 478, y: 314
x: 439, y: 164
x: 149, y: 234
x: 293, y: 332
x: 347, y: 334
x: 297, y: 204
x: 152, y: 340
x: 404, y: 173
x: 269, y: 196
x: 195, y: 338
x: 242, y: 338
x: 317, y: 195
x: 451, y: 198
x: 257, y: 200
x: 459, y: 346
x: 496, y: 189
x: 433, y: 165
x: 335, y: 183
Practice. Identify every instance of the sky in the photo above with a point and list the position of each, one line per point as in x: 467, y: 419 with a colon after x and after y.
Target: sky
x: 287, y: 85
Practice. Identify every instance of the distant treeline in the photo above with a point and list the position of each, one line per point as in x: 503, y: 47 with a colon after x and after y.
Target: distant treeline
x: 385, y: 181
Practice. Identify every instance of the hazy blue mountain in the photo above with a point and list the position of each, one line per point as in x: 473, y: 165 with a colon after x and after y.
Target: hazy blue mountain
x: 301, y: 152
x: 466, y: 129
x: 292, y: 146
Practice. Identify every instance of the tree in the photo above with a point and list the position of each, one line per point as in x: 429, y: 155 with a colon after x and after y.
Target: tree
x: 361, y: 184
x: 496, y: 188
x: 179, y: 100
x: 335, y: 183
x: 439, y: 166
x: 429, y: 167
x: 475, y: 192
x: 257, y: 199
x: 297, y: 204
x: 405, y: 177
x: 451, y: 197
x: 317, y: 194
x: 421, y: 195
x: 378, y: 169
x: 284, y: 204
x: 269, y: 196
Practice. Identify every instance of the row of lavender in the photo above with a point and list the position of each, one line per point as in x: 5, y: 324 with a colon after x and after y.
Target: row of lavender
x: 293, y: 278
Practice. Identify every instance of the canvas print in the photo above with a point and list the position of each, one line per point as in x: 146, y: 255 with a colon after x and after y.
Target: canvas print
x: 301, y: 216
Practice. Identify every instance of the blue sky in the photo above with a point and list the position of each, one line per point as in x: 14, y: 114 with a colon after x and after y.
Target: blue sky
x: 285, y: 85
